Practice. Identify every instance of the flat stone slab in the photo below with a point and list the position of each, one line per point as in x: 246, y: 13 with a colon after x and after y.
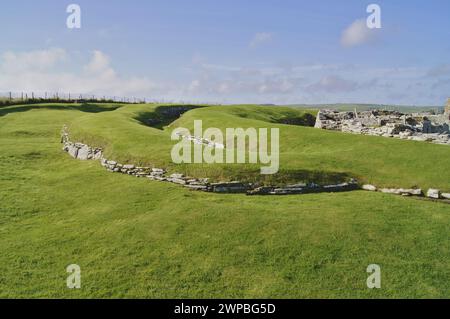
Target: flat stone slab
x: 369, y: 187
x: 434, y: 193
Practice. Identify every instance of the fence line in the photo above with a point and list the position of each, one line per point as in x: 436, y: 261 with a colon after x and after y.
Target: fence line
x: 12, y: 98
x: 29, y: 97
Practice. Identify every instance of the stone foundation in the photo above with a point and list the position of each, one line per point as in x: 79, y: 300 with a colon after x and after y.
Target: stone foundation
x: 416, y: 127
x: 84, y: 152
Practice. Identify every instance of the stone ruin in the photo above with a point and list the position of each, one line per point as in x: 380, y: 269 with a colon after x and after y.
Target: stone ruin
x: 425, y: 127
x: 84, y: 152
x: 78, y: 150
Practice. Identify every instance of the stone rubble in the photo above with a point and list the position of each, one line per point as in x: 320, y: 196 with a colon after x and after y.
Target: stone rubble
x: 369, y: 188
x: 84, y: 152
x: 431, y: 193
x: 434, y: 193
x: 304, y: 189
x: 78, y: 150
x: 423, y: 127
x: 201, y: 141
x: 402, y: 191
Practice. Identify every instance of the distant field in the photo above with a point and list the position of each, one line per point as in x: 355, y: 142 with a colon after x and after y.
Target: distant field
x: 135, y: 238
x: 365, y: 107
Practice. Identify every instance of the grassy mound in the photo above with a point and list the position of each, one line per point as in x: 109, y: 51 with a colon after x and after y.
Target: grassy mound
x: 138, y: 238
x: 306, y: 154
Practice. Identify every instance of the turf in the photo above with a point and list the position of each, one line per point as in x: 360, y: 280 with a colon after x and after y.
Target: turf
x: 306, y: 154
x: 137, y: 238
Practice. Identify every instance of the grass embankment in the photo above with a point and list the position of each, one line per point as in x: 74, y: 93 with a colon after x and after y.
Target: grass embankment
x: 306, y: 154
x: 138, y: 238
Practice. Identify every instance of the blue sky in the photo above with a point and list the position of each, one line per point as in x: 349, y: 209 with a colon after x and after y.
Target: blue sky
x: 230, y: 51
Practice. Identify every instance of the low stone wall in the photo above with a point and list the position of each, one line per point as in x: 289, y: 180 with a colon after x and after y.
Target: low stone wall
x: 304, y: 189
x: 431, y: 193
x: 85, y: 152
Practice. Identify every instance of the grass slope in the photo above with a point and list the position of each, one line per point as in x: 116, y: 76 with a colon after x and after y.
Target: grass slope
x: 306, y: 154
x: 137, y: 238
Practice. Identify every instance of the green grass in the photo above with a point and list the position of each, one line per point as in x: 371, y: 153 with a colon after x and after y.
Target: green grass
x: 306, y: 154
x: 137, y: 238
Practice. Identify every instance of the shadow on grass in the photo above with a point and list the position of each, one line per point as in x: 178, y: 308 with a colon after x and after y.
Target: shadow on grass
x: 164, y: 115
x: 253, y: 175
x: 85, y: 107
x: 304, y: 120
x: 285, y: 177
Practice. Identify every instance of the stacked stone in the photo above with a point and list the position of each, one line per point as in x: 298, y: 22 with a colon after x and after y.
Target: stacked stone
x: 114, y: 167
x: 332, y: 119
x: 78, y: 150
x: 387, y: 124
x: 229, y: 187
x: 157, y: 174
x: 84, y: 152
x: 431, y: 193
x: 304, y: 189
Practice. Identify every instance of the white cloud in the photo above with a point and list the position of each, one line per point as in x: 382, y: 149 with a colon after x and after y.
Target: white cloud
x: 32, y: 60
x: 310, y: 83
x: 56, y: 70
x: 357, y: 33
x: 333, y: 84
x: 194, y: 86
x: 99, y: 62
x: 260, y: 39
x: 43, y: 71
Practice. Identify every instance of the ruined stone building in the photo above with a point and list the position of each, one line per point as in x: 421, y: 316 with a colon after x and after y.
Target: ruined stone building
x: 425, y: 126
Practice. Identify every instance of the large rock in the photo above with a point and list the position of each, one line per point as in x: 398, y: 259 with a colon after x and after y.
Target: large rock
x: 402, y: 191
x: 433, y: 193
x: 391, y: 191
x: 232, y: 187
x: 414, y: 192
x: 72, y: 150
x: 369, y: 187
x: 84, y: 153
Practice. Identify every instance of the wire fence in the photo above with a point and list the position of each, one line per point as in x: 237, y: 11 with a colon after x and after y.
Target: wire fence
x: 14, y: 98
x: 11, y: 98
